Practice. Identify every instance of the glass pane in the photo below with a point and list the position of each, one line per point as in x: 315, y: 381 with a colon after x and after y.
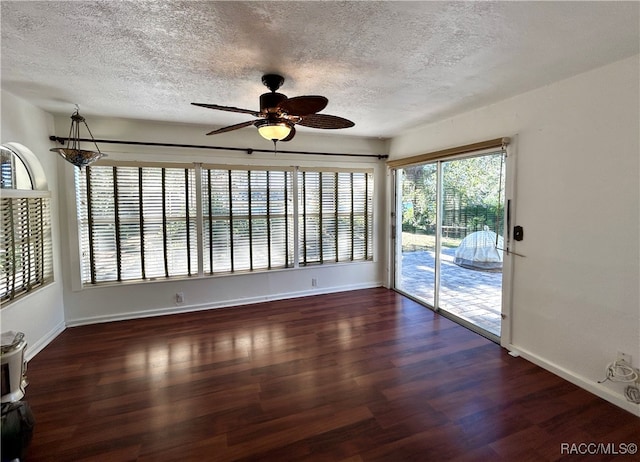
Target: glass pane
x: 309, y: 222
x: 217, y: 210
x: 219, y: 244
x: 25, y: 251
x: 153, y: 250
x: 259, y: 223
x: 103, y: 229
x: 415, y: 267
x: 129, y: 219
x: 131, y: 262
x: 259, y: 243
x: 132, y: 228
x: 83, y: 223
x: 104, y: 252
x: 280, y: 257
x: 241, y: 260
x: 280, y: 219
x: 179, y: 210
x: 471, y: 255
x: 329, y: 206
x: 13, y: 172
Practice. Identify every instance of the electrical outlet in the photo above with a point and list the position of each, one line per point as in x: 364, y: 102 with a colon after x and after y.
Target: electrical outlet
x: 314, y: 282
x: 626, y: 357
x: 179, y: 297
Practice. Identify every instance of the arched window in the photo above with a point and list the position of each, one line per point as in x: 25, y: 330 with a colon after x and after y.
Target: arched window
x: 26, y: 257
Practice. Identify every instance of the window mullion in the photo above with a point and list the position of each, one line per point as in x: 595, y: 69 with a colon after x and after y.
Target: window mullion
x: 304, y: 216
x: 210, y: 201
x: 366, y: 216
x: 164, y: 224
x: 351, y: 217
x: 26, y: 248
x: 141, y: 221
x: 13, y: 246
x: 116, y: 217
x: 92, y: 261
x: 42, y: 242
x: 286, y: 218
x: 249, y: 214
x: 268, y: 175
x: 335, y: 215
x: 320, y: 211
x: 296, y: 217
x: 231, y: 220
x: 186, y: 218
x: 199, y: 219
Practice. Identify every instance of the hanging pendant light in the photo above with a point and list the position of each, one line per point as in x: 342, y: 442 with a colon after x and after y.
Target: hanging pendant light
x: 72, y: 152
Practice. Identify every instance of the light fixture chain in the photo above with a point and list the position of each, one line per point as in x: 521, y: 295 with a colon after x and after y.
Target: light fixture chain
x: 91, y: 134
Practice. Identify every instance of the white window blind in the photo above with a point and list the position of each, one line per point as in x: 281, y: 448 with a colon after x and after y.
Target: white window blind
x: 26, y: 255
x: 136, y: 222
x: 337, y: 214
x: 248, y: 219
x: 26, y: 251
x: 141, y: 222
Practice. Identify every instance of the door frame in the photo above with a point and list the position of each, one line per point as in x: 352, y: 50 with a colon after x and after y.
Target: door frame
x: 508, y: 256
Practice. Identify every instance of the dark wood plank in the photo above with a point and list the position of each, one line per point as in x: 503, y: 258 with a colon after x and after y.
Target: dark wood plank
x: 366, y: 375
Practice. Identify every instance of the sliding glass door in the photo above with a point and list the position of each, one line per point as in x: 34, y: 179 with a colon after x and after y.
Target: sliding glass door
x: 416, y: 249
x: 450, y: 221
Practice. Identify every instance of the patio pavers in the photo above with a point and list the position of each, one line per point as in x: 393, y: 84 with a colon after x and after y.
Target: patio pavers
x: 470, y: 294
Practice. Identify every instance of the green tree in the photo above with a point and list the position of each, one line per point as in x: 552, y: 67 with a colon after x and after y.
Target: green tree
x: 473, y: 190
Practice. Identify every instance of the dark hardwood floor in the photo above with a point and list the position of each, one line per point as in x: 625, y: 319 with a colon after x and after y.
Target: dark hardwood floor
x: 359, y: 376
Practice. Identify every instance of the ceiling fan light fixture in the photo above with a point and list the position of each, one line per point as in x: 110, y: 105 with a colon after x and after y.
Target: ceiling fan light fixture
x: 279, y: 115
x: 72, y: 152
x: 273, y: 130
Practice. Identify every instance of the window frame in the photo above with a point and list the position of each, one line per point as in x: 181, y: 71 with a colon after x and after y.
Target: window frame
x: 249, y: 215
x: 292, y: 217
x: 27, y: 214
x: 334, y: 210
x: 164, y: 217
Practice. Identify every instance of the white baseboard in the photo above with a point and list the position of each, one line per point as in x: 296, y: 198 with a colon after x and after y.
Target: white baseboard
x: 37, y: 347
x: 597, y: 389
x: 214, y: 305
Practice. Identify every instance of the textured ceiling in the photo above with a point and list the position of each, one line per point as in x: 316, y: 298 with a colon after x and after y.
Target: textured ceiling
x: 385, y: 65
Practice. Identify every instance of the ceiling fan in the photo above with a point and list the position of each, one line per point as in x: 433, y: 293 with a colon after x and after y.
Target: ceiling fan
x: 278, y: 114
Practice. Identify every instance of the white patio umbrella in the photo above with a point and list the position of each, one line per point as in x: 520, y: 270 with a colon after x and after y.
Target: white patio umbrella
x: 478, y: 251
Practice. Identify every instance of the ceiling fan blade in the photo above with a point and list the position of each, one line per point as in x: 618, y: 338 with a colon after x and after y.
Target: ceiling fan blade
x: 325, y: 121
x: 232, y: 127
x: 303, y: 105
x: 228, y: 108
x: 291, y: 134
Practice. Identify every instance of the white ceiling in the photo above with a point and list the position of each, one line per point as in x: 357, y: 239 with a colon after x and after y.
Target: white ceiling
x: 385, y: 65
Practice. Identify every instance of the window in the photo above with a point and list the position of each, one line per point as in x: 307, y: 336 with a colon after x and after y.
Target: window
x: 136, y: 222
x: 336, y: 216
x: 26, y: 255
x: 161, y: 221
x: 248, y: 219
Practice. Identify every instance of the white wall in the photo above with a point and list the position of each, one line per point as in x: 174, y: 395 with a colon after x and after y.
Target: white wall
x: 104, y: 303
x: 576, y: 293
x: 39, y: 315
